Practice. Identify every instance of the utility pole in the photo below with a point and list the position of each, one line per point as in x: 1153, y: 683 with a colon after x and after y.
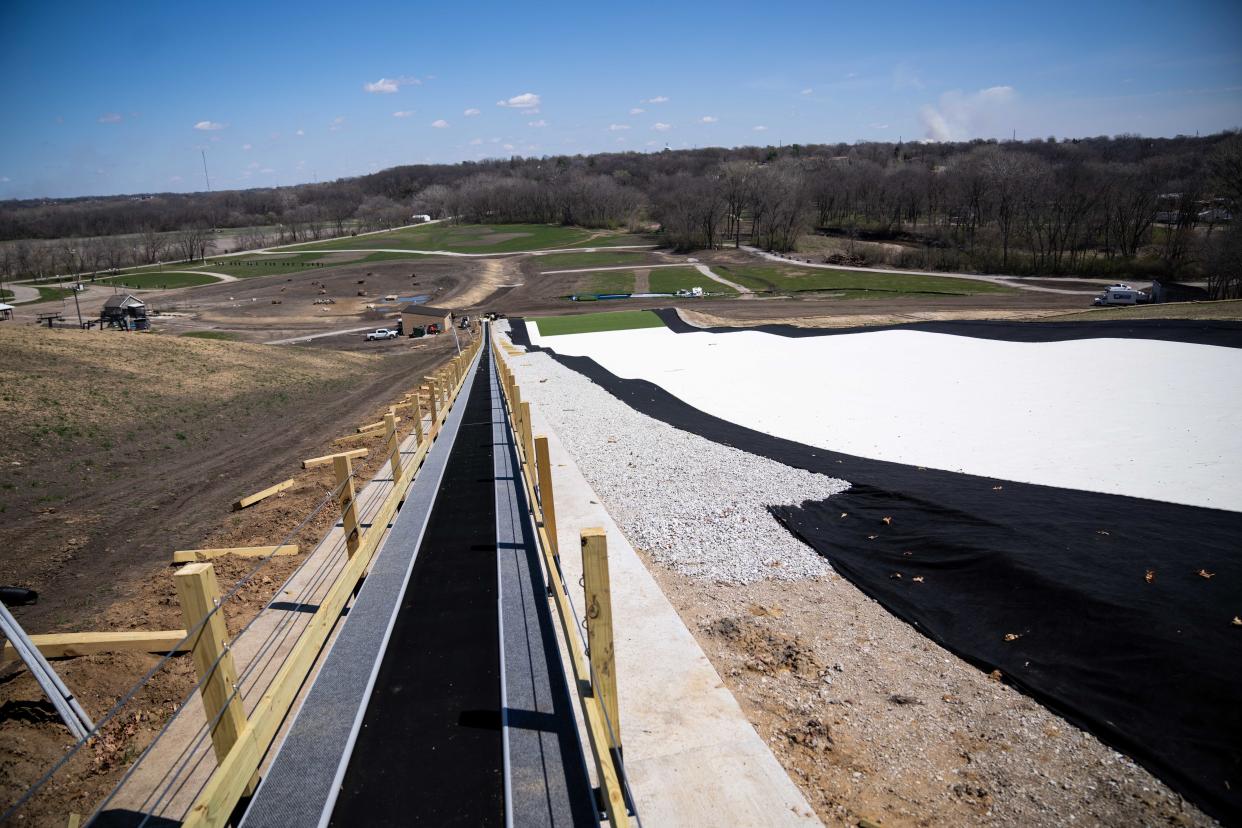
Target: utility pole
x: 77, y: 280
x: 205, y: 176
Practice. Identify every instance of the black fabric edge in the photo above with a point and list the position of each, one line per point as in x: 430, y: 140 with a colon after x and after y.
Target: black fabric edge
x: 649, y: 398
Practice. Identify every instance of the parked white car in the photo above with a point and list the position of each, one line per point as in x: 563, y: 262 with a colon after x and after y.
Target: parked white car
x: 381, y: 333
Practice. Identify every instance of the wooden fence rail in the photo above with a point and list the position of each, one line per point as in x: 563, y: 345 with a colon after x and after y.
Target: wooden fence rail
x: 243, y: 741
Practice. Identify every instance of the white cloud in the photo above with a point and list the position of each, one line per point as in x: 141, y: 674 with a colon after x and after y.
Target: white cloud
x: 617, y: 127
x: 658, y: 99
x: 761, y: 128
x: 638, y: 110
x: 172, y: 180
x: 658, y: 127
x: 474, y: 142
x: 527, y: 100
x: 300, y: 132
x: 208, y: 126
x: 652, y: 144
x: 621, y: 139
x: 253, y: 165
x: 4, y: 179
x: 959, y: 115
x: 878, y: 126
x: 471, y: 112
x: 507, y: 146
x: 337, y: 123
x: 110, y: 118
x: 247, y: 147
x: 382, y: 86
x: 807, y: 91
x: 388, y: 86
x: 708, y: 119
x: 267, y: 170
x: 540, y: 123
x: 440, y: 123
x: 403, y: 113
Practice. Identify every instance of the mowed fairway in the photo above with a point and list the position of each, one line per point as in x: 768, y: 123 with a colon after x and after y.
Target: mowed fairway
x: 673, y: 279
x: 596, y: 322
x: 465, y: 238
x: 573, y: 261
x: 779, y: 278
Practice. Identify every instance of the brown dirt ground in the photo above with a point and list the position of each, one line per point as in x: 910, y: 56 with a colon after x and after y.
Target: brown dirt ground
x: 875, y: 722
x: 100, y: 554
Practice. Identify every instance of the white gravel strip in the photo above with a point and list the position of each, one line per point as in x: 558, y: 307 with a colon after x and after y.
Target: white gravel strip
x: 695, y: 506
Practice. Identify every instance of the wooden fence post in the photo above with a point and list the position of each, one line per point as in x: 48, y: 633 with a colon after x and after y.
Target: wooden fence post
x: 547, y: 501
x: 344, y: 469
x: 394, y: 446
x: 528, y: 449
x: 434, y: 408
x: 418, y: 419
x: 599, y: 627
x: 213, y: 660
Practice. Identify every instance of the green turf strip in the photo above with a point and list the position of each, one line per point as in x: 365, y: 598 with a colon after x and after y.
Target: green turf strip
x: 596, y: 322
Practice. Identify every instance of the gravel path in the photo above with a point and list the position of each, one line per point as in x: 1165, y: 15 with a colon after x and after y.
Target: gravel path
x: 696, y: 507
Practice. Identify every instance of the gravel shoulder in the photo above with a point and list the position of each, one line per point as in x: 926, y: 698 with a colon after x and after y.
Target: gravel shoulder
x: 871, y: 719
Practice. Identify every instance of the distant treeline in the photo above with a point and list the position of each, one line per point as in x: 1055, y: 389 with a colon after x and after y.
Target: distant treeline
x: 1095, y: 206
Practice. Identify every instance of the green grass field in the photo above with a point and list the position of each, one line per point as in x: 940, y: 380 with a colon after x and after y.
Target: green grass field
x: 464, y: 238
x: 49, y: 294
x: 854, y: 284
x: 607, y: 281
x: 673, y: 279
x: 596, y: 322
x: 221, y: 335
x: 570, y: 261
x: 157, y: 280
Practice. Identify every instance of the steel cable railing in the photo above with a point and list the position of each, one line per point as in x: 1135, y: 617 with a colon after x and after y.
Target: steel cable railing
x: 129, y: 695
x: 579, y: 624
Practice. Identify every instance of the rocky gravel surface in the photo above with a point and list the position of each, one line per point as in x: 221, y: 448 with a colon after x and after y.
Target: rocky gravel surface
x: 694, y: 506
x: 877, y: 724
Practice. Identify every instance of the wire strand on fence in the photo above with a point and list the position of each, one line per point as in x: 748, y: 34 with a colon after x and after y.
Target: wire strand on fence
x: 579, y: 626
x: 129, y: 695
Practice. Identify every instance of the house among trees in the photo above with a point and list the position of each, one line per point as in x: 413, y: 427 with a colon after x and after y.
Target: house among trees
x: 126, y: 312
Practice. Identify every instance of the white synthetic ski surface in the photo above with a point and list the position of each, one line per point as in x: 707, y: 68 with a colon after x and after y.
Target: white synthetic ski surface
x: 1135, y: 417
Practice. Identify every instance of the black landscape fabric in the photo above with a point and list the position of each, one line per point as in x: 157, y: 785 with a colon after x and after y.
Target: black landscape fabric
x: 1117, y: 612
x: 429, y: 751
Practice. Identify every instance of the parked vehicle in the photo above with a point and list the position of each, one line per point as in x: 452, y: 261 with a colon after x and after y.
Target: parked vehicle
x: 1120, y: 294
x: 381, y: 333
x: 417, y: 331
x: 433, y: 329
x: 464, y: 323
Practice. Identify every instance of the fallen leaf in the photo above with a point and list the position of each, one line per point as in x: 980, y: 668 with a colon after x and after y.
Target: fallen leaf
x: 907, y: 554
x: 997, y: 488
x: 872, y: 537
x: 843, y: 514
x: 1101, y: 532
x: 918, y: 579
x: 996, y: 675
x: 1203, y: 573
x: 1012, y: 636
x: 1150, y: 577
x: 1237, y: 622
x: 895, y: 575
x: 888, y: 521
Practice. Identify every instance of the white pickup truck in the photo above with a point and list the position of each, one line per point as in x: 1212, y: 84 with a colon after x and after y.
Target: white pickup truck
x: 381, y: 333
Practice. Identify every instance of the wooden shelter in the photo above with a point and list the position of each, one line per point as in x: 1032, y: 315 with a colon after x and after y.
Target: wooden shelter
x: 126, y: 312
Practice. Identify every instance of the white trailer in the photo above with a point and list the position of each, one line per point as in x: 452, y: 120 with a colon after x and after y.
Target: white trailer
x: 1120, y: 294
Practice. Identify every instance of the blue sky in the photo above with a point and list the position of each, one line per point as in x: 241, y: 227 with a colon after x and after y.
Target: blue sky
x: 121, y: 97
